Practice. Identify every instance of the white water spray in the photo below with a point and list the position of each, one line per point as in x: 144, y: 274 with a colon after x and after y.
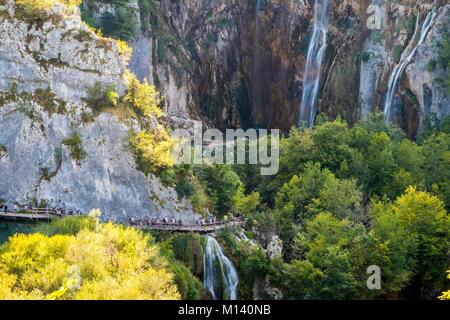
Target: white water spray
x: 405, y: 60
x: 220, y: 276
x: 316, y: 52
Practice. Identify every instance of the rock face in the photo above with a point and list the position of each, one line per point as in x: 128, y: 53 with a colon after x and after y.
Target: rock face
x: 60, y: 60
x: 57, y: 54
x: 241, y: 63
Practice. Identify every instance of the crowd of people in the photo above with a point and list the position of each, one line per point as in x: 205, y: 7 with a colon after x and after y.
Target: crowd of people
x: 169, y: 221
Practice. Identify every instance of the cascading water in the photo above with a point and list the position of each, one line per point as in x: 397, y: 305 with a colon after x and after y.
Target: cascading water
x: 405, y: 60
x: 316, y: 51
x: 220, y: 276
x: 256, y: 89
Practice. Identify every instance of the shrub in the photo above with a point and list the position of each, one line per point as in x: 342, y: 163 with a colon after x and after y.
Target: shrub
x: 143, y: 98
x: 76, y: 149
x: 124, y: 50
x: 153, y: 149
x: 2, y: 150
x: 37, y: 9
x: 101, y: 97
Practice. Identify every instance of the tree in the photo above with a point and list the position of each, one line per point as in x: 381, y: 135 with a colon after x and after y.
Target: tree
x: 245, y: 204
x: 153, y: 149
x: 221, y: 183
x: 102, y: 261
x: 295, y: 152
x: 380, y: 163
x: 436, y: 151
x: 336, y: 249
x: 413, y: 234
x: 331, y: 144
x: 143, y: 98
x: 316, y: 191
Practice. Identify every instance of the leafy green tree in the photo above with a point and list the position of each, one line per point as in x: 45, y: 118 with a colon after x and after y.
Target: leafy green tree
x: 380, y: 163
x: 337, y: 249
x: 295, y: 152
x: 413, y: 235
x: 221, y: 184
x: 331, y: 144
x: 436, y: 151
x: 316, y: 191
x: 245, y: 204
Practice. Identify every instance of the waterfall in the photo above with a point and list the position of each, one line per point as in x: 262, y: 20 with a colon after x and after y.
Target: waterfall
x: 405, y: 60
x: 256, y: 89
x: 220, y: 276
x: 316, y: 51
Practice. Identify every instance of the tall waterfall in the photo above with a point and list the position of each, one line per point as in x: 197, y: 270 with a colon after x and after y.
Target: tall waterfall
x: 220, y: 276
x: 256, y: 88
x: 316, y: 51
x: 405, y: 60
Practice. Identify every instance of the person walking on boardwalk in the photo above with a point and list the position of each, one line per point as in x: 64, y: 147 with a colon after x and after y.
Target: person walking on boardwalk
x: 5, y: 208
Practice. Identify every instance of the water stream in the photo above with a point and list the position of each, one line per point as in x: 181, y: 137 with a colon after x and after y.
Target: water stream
x: 405, y: 59
x: 316, y: 52
x: 220, y: 276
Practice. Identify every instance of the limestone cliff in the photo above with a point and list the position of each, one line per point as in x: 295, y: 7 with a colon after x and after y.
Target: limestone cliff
x: 47, y: 68
x: 241, y: 63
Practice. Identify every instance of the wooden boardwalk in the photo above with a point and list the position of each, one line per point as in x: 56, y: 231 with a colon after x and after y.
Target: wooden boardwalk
x: 33, y: 215
x: 44, y: 215
x: 205, y: 228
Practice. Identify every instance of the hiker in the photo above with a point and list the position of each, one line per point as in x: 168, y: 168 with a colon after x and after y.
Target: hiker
x: 5, y: 208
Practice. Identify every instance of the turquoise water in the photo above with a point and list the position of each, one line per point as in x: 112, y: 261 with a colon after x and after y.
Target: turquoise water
x: 7, y: 229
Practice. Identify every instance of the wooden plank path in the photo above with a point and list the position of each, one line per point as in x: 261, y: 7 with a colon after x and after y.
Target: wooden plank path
x: 44, y: 215
x: 33, y: 215
x: 205, y: 228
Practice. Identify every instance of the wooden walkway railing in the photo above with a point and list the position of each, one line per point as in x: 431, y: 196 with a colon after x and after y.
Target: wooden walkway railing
x: 31, y: 215
x: 46, y: 215
x: 204, y: 228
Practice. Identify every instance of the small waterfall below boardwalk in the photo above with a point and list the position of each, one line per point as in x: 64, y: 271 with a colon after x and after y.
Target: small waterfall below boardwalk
x: 316, y: 51
x: 220, y: 276
x: 405, y: 59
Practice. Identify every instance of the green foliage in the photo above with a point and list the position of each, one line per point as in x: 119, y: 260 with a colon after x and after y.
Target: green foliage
x: 120, y: 25
x: 188, y: 248
x: 33, y: 10
x: 436, y: 151
x: 76, y: 148
x: 153, y: 150
x: 245, y: 204
x: 251, y: 262
x: 412, y: 236
x: 221, y: 183
x: 101, y: 97
x: 316, y: 191
x: 325, y: 206
x: 104, y: 262
x: 143, y: 98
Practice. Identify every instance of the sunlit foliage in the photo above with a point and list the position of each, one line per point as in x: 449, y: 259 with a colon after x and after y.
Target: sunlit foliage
x: 98, y: 261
